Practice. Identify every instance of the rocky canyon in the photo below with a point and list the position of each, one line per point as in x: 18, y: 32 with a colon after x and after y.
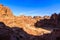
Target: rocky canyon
x: 27, y: 27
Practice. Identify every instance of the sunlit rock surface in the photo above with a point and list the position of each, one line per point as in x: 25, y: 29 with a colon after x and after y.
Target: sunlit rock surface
x: 27, y: 27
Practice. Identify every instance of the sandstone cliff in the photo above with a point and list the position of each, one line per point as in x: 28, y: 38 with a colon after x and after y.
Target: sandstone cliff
x: 25, y: 27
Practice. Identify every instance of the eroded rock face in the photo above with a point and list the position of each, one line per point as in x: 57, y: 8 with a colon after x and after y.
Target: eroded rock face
x: 15, y: 33
x: 9, y: 19
x: 5, y: 11
x: 24, y: 27
x: 53, y: 21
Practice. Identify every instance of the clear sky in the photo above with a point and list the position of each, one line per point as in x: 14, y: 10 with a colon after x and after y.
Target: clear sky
x: 32, y: 7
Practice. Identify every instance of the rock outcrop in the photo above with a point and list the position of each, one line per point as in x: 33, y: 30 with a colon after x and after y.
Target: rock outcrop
x: 25, y: 27
x: 5, y: 11
x: 52, y: 22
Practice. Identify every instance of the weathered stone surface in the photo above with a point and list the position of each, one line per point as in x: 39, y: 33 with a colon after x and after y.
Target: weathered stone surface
x: 24, y: 27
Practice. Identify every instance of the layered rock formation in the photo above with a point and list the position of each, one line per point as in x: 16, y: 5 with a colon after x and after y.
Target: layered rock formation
x: 24, y: 27
x: 5, y: 11
x: 25, y: 22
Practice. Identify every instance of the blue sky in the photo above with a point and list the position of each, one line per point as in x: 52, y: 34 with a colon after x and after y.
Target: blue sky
x: 32, y: 7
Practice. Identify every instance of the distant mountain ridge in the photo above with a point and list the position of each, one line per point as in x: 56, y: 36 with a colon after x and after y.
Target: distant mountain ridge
x: 22, y: 21
x: 7, y: 17
x: 28, y: 28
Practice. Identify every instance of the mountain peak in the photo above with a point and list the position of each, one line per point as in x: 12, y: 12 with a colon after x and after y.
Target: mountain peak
x: 5, y: 11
